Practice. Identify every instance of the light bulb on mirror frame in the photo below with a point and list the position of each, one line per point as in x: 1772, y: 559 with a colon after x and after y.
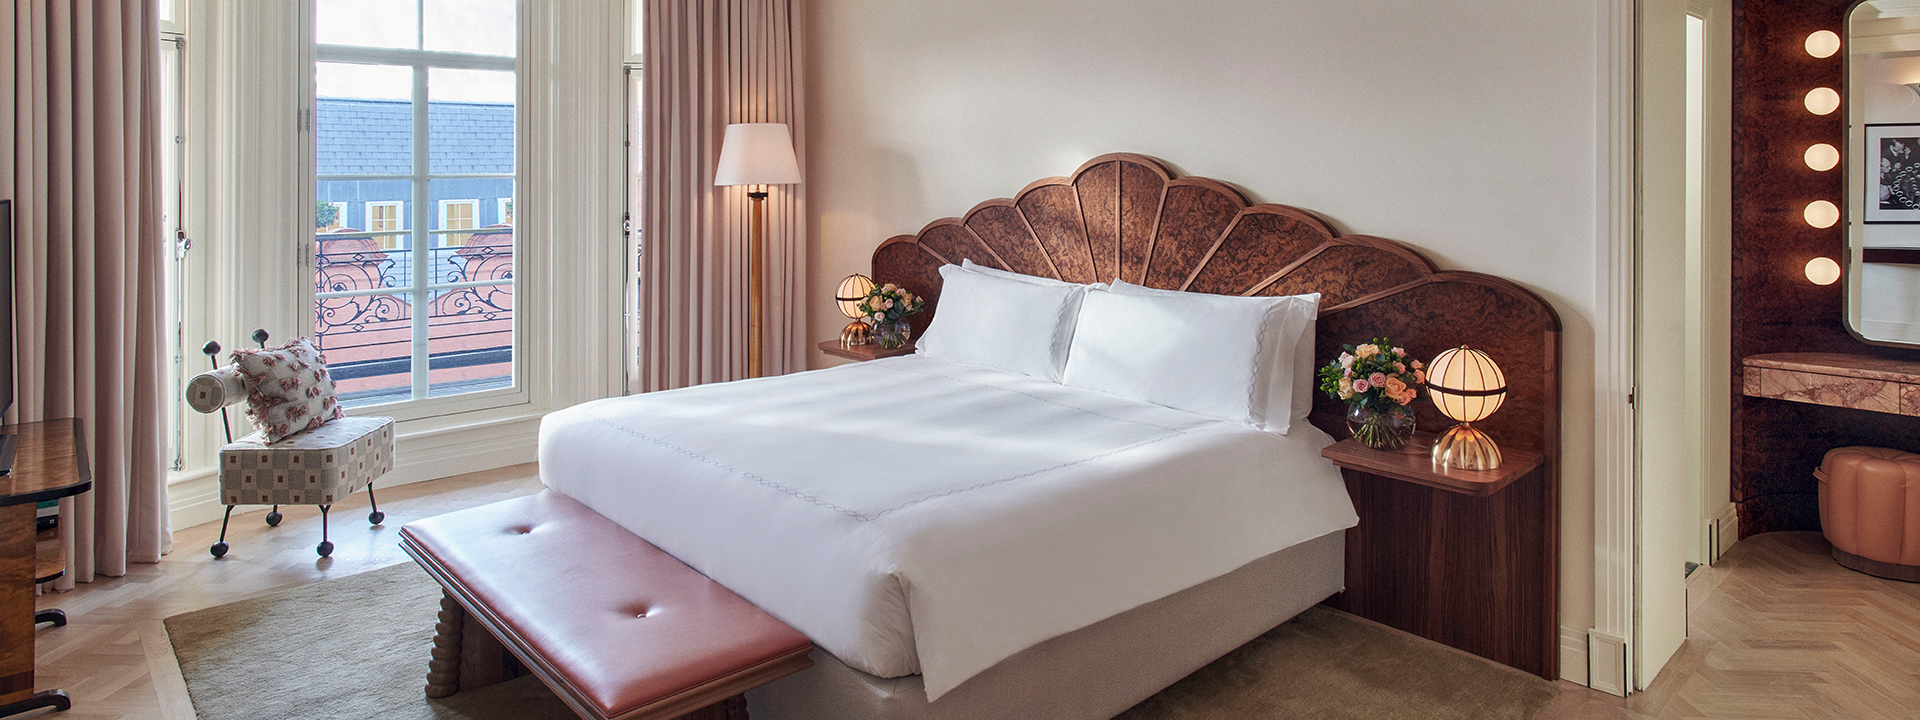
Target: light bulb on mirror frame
x: 1467, y: 386
x: 1823, y: 271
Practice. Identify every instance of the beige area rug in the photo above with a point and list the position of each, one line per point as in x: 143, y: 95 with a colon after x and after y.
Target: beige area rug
x: 357, y: 648
x: 346, y: 649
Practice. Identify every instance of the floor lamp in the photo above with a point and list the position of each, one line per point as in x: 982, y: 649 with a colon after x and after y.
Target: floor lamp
x: 756, y: 154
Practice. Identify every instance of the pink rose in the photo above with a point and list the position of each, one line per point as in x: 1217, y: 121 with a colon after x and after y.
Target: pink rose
x: 1419, y: 376
x: 1377, y: 379
x: 1399, y: 368
x: 1417, y: 365
x: 1361, y: 386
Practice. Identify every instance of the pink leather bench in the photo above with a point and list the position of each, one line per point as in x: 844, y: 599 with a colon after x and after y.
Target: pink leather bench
x: 613, y: 625
x: 1870, y: 510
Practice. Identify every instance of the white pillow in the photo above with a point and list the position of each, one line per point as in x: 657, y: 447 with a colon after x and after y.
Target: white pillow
x: 1283, y: 392
x: 1013, y: 325
x: 970, y: 265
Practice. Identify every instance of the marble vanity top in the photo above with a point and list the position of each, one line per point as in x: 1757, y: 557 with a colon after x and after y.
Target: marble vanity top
x: 1840, y: 380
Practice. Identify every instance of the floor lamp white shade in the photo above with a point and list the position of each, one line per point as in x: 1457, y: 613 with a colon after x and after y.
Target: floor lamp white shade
x: 756, y: 154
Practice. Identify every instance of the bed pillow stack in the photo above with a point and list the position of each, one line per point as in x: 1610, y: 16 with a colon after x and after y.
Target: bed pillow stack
x: 1240, y: 359
x: 1247, y: 360
x: 1017, y: 324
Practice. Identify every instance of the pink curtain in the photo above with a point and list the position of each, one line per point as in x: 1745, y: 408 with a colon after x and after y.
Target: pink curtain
x: 710, y: 63
x: 83, y: 170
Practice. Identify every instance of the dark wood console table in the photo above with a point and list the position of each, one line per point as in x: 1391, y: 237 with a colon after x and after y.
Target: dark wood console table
x: 51, y: 463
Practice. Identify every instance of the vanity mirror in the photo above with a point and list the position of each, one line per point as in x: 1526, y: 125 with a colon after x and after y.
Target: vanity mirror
x: 1883, y: 183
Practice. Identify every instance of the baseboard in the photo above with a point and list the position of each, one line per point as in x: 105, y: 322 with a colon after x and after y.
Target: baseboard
x: 1607, y: 667
x: 1727, y: 528
x: 1573, y: 655
x: 193, y: 498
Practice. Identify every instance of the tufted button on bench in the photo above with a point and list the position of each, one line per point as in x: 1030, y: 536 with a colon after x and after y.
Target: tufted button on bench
x: 614, y: 626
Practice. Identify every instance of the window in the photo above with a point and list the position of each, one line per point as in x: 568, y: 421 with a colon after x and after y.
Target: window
x: 386, y: 224
x: 414, y: 106
x: 457, y: 215
x: 506, y: 212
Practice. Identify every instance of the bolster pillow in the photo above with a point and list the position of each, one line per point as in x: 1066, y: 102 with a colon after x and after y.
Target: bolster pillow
x: 216, y: 388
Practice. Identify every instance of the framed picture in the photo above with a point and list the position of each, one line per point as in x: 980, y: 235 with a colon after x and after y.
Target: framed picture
x: 1893, y: 173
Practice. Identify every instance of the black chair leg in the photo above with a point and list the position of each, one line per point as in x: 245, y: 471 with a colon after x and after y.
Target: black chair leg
x: 219, y: 549
x: 56, y: 699
x: 326, y: 546
x: 53, y: 615
x: 376, y: 517
x: 274, y: 517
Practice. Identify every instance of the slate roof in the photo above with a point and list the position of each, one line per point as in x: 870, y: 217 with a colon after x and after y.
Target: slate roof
x: 374, y: 137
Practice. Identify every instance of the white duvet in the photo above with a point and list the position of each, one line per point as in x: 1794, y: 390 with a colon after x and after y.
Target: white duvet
x: 911, y: 515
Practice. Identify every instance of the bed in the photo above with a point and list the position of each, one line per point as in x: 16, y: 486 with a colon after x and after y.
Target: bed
x: 962, y: 541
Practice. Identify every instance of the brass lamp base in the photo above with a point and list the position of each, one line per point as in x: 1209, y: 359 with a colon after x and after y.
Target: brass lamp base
x: 856, y: 333
x: 1466, y: 448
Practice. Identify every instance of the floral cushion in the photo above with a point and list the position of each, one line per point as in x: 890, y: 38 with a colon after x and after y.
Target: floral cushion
x: 288, y: 390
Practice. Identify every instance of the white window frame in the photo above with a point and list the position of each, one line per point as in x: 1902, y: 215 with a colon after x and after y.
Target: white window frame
x: 250, y: 197
x: 389, y: 242
x: 506, y: 210
x: 447, y: 234
x: 420, y: 244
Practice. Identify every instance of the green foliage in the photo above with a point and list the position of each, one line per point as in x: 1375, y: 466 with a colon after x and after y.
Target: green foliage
x: 325, y: 214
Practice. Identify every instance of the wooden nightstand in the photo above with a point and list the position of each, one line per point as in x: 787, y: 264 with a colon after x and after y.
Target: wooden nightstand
x: 869, y: 351
x: 1413, y: 465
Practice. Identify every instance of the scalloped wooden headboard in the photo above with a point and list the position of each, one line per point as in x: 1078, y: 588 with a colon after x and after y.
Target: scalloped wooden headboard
x: 1126, y: 216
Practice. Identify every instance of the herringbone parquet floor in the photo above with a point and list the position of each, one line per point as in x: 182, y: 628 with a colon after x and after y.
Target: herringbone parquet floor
x: 1776, y: 630
x: 113, y: 657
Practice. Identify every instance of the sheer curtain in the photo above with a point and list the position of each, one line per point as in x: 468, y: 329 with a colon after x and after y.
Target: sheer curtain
x: 83, y: 170
x: 710, y: 63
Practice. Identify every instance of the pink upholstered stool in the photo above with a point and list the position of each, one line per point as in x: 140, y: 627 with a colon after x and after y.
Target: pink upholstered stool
x: 1870, y: 510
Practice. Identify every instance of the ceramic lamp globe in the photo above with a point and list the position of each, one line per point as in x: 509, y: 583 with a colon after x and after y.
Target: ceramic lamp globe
x: 1467, y: 386
x: 853, y: 289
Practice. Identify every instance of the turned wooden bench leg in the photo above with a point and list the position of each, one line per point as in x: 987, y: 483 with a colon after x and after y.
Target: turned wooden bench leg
x: 466, y: 655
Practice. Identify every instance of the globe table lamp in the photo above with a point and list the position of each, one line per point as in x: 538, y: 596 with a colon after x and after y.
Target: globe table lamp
x: 852, y: 290
x: 756, y: 154
x: 1467, y: 386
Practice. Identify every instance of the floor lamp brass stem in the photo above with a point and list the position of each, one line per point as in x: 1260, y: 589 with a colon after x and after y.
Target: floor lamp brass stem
x: 755, y: 249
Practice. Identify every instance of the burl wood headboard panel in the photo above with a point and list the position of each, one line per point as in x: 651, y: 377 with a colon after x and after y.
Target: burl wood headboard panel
x: 1480, y: 574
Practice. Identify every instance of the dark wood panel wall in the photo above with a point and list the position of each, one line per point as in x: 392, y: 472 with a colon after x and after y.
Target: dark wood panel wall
x: 1777, y: 444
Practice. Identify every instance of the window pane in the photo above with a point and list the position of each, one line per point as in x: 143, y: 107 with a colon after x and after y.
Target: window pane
x: 367, y: 23
x: 484, y: 27
x: 470, y: 333
x: 470, y: 121
x: 367, y: 340
x: 363, y: 120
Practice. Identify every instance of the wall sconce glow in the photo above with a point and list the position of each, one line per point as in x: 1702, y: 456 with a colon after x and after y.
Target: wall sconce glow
x: 1822, y: 157
x: 1823, y: 44
x: 1821, y: 101
x: 1823, y: 271
x: 1822, y: 214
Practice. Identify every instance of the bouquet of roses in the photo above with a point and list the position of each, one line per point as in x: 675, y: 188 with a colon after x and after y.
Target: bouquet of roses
x: 888, y: 303
x: 1376, y: 376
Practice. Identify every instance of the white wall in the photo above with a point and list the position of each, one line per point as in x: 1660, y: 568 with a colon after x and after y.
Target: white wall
x: 1466, y: 129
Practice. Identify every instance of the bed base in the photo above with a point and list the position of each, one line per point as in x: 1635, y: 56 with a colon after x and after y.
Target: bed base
x: 1094, y: 673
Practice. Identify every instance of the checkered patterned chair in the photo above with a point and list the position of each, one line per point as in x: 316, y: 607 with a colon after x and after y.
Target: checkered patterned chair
x: 316, y: 466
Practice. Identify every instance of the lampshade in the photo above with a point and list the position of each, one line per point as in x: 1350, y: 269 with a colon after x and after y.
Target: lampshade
x: 852, y: 290
x: 1465, y: 384
x: 757, y: 154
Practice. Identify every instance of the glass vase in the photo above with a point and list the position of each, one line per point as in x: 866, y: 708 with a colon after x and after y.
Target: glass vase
x: 891, y: 335
x: 1381, y: 430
